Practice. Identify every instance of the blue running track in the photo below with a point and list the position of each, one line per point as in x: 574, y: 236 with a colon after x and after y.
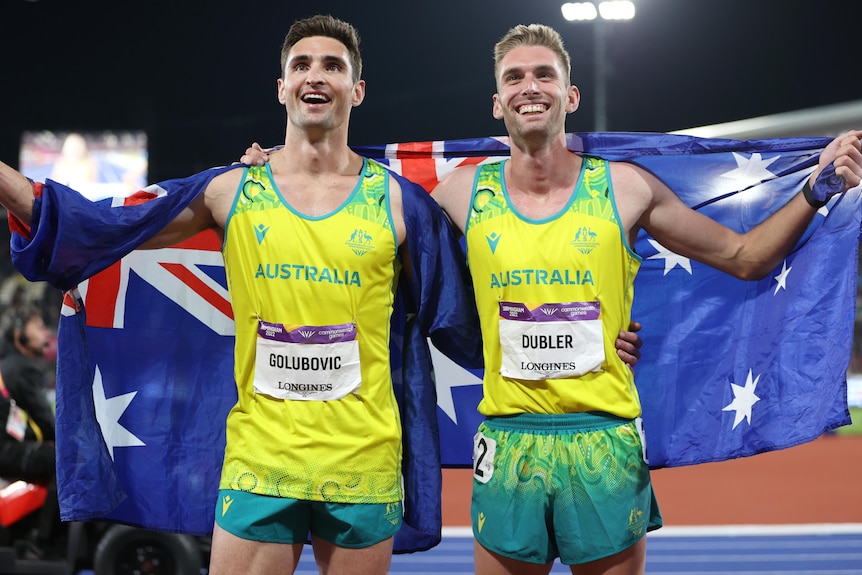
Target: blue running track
x: 779, y: 550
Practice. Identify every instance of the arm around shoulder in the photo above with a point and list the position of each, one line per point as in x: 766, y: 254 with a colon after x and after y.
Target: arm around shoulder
x: 453, y: 194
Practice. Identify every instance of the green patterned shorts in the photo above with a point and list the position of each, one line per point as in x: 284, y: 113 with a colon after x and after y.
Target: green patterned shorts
x: 573, y: 486
x: 283, y: 520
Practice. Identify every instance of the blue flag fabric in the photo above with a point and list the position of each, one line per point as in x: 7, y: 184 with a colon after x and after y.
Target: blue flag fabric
x: 145, y: 359
x: 729, y: 368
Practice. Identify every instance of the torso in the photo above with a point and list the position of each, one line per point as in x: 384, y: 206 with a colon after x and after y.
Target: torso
x: 313, y: 273
x: 577, y: 254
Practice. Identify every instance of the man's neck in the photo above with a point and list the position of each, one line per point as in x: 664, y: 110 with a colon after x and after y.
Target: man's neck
x: 310, y: 153
x: 315, y: 176
x: 540, y: 168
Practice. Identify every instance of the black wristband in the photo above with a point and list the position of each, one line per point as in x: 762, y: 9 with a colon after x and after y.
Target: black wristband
x: 806, y: 191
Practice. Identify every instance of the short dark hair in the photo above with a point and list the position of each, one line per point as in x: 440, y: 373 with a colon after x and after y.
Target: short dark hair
x: 330, y: 27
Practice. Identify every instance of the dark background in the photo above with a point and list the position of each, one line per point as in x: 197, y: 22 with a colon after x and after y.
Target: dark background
x: 199, y: 77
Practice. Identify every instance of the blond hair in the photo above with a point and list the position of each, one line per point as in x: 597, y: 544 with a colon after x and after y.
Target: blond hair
x: 533, y: 35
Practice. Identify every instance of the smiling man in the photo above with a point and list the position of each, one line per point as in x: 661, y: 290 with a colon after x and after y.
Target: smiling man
x: 314, y: 244
x: 559, y: 464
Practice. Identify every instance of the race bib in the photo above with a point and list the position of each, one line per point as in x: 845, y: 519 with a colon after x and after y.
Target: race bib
x: 484, y: 450
x: 307, y: 362
x: 550, y: 341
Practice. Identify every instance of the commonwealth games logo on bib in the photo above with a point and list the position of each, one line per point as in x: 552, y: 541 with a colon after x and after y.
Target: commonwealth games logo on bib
x: 360, y: 242
x: 585, y: 240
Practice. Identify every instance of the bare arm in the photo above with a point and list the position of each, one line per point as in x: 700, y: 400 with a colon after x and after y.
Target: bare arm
x: 16, y: 193
x: 747, y: 256
x: 453, y: 194
x: 209, y: 210
x: 195, y: 218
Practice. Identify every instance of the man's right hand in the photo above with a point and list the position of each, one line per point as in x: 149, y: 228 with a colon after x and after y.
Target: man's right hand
x: 629, y: 344
x: 254, y: 155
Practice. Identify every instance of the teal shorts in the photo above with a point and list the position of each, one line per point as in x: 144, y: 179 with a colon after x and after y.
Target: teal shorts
x: 281, y: 520
x: 574, y: 486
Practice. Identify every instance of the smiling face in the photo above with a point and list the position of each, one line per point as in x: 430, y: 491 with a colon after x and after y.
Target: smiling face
x: 533, y: 92
x: 317, y: 85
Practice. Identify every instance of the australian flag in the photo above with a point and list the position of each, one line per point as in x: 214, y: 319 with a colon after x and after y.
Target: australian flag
x: 729, y: 369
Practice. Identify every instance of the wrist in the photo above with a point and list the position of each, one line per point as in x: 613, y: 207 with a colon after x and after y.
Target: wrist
x: 809, y: 197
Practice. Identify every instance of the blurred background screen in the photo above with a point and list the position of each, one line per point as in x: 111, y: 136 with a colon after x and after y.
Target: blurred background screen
x: 97, y: 164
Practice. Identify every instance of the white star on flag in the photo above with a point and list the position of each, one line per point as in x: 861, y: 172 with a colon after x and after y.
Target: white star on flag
x: 750, y: 170
x: 108, y: 413
x: 448, y: 374
x: 781, y: 279
x: 671, y: 260
x: 743, y: 400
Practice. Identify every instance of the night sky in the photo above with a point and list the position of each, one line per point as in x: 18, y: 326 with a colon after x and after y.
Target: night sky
x: 201, y: 82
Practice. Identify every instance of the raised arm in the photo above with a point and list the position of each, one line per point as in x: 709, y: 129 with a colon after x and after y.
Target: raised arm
x: 16, y: 193
x: 754, y: 254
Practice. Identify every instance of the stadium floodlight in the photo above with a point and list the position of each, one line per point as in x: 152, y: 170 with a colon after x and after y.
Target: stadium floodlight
x: 608, y: 10
x: 599, y: 17
x: 617, y: 10
x: 579, y: 11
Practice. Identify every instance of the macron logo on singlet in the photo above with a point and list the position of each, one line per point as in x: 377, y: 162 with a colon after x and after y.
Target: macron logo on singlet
x: 260, y: 231
x: 493, y: 238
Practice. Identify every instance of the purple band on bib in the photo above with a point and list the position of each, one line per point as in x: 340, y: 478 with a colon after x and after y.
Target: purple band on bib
x: 307, y: 334
x: 571, y: 311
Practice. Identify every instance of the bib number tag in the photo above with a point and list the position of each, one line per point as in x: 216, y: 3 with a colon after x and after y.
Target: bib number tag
x: 307, y: 362
x: 550, y: 341
x: 484, y: 449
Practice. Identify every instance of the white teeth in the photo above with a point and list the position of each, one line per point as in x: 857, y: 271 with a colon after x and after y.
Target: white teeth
x: 317, y: 97
x: 532, y: 109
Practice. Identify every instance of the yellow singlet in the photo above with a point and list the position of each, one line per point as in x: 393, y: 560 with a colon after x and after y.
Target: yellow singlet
x: 552, y: 295
x: 316, y: 279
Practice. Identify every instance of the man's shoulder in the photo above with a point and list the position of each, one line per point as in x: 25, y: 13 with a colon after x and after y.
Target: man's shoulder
x: 623, y: 168
x: 460, y: 180
x: 232, y: 172
x: 227, y: 178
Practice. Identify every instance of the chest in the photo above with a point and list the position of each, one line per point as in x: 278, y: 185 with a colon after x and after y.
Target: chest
x: 316, y: 197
